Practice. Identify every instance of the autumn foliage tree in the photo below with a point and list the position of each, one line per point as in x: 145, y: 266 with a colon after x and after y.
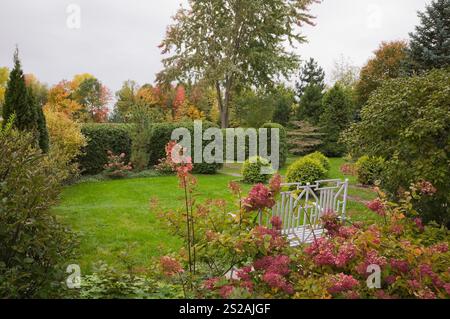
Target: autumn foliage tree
x: 84, y: 99
x: 387, y: 64
x: 228, y: 43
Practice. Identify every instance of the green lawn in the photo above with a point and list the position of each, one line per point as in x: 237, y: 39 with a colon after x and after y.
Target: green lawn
x: 113, y: 216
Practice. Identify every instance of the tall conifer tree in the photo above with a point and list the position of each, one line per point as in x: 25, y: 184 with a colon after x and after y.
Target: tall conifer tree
x: 430, y: 43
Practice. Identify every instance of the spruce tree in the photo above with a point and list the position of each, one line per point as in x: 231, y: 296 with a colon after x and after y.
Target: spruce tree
x: 310, y: 74
x: 430, y: 43
x: 17, y: 99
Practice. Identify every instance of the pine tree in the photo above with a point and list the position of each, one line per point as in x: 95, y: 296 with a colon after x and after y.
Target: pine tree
x: 430, y: 43
x: 17, y: 99
x: 310, y: 74
x: 336, y: 117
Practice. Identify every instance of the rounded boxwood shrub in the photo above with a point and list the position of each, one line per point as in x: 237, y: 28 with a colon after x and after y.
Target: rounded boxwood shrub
x: 102, y: 138
x: 251, y: 170
x: 321, y: 158
x: 369, y: 169
x: 306, y: 170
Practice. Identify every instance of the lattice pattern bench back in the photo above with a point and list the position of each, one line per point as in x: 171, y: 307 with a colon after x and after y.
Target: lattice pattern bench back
x: 300, y: 208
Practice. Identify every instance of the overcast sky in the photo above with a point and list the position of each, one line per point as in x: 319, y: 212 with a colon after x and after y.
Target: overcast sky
x: 117, y: 39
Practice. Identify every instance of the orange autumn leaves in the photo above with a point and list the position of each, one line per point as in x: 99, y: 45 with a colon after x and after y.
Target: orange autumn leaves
x: 73, y: 99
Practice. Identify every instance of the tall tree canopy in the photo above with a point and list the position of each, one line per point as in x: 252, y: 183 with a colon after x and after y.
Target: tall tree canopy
x: 233, y: 42
x: 430, y: 43
x: 387, y: 64
x: 94, y: 98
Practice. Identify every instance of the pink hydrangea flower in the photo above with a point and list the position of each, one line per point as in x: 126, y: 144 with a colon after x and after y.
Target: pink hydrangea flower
x: 390, y: 279
x: 322, y: 252
x: 347, y: 231
x: 345, y: 254
x: 372, y: 258
x: 226, y: 291
x: 277, y: 223
x: 426, y: 188
x: 341, y: 283
x: 447, y: 288
x: 244, y: 273
x: 419, y: 224
x: 440, y: 248
x: 275, y: 264
x: 400, y: 265
x: 275, y: 184
x: 331, y: 223
x: 275, y: 280
x: 170, y: 266
x: 210, y: 284
x: 260, y: 197
x: 377, y: 206
x: 235, y: 188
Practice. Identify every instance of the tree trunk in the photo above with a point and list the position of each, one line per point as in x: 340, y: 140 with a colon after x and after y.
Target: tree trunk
x: 223, y: 106
x: 224, y: 102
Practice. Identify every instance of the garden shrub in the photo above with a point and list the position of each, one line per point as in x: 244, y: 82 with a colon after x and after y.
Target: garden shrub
x: 369, y: 169
x: 34, y: 245
x: 251, y: 170
x: 66, y: 139
x: 406, y: 121
x: 306, y: 170
x: 101, y: 139
x: 321, y: 158
x: 116, y: 167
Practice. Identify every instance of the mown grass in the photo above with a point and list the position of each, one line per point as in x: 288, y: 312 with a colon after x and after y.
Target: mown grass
x: 114, y: 216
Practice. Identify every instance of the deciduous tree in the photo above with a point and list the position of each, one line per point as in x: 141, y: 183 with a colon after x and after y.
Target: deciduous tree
x: 233, y: 42
x: 387, y: 64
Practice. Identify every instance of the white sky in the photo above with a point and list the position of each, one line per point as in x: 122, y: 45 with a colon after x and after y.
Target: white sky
x: 117, y: 39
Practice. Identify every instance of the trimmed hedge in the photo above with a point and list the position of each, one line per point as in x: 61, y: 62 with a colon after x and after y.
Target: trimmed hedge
x: 117, y: 138
x: 103, y: 138
x: 306, y: 170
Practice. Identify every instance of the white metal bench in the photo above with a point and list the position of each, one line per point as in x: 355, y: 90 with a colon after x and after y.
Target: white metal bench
x: 302, y: 206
